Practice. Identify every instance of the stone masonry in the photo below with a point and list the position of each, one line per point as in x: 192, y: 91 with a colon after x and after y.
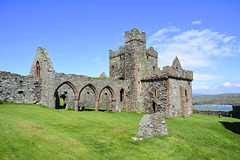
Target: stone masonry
x: 152, y: 125
x: 135, y: 83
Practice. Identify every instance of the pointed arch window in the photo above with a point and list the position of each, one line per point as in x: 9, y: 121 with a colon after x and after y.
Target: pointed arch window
x: 37, y: 72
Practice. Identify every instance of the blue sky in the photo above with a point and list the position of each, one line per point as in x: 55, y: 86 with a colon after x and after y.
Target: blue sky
x: 204, y: 34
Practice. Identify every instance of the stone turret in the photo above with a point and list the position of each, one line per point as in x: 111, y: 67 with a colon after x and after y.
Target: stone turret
x: 135, y: 62
x: 135, y: 35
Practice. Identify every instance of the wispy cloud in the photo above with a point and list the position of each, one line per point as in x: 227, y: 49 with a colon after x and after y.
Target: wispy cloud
x: 195, y: 48
x: 204, y: 87
x: 98, y: 61
x: 205, y: 77
x: 237, y: 85
x: 197, y: 22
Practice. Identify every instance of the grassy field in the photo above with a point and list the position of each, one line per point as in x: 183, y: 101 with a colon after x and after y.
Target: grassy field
x: 37, y: 132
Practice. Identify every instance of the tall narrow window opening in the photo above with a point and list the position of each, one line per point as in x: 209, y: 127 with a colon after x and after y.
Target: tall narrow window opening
x: 186, y: 95
x: 121, y: 95
x: 37, y: 72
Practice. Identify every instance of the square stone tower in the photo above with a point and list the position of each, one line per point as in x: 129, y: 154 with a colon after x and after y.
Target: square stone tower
x: 150, y: 89
x: 131, y: 62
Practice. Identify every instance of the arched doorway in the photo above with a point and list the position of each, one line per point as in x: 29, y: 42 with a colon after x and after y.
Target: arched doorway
x: 68, y: 94
x: 110, y: 101
x: 63, y: 101
x: 37, y: 69
x: 104, y: 100
x: 86, y: 96
x: 122, y: 99
x: 153, y: 108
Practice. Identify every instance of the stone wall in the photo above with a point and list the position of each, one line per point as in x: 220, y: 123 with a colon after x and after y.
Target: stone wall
x: 151, y: 59
x: 180, y: 98
x: 236, y: 111
x: 155, y: 91
x: 116, y: 63
x: 19, y: 89
x: 88, y: 91
x: 213, y: 113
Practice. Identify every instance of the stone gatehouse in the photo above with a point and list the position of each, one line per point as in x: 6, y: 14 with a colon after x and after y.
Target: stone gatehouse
x: 135, y: 83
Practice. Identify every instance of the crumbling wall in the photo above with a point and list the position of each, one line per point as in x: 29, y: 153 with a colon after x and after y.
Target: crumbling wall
x: 19, y: 89
x: 151, y: 59
x: 89, y: 88
x: 116, y: 63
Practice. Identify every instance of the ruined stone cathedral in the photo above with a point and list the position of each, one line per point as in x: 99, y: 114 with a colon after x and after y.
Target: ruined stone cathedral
x: 135, y: 83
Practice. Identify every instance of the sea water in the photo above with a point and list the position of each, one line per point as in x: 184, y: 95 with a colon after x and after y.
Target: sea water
x: 214, y: 107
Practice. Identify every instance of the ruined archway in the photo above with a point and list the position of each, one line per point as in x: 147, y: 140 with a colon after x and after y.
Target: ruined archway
x: 88, y: 93
x: 108, y: 89
x: 65, y: 95
x: 37, y: 69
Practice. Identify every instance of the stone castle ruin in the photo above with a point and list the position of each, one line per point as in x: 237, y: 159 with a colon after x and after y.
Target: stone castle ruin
x: 135, y: 83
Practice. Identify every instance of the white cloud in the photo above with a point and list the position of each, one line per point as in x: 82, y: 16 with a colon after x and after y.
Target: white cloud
x: 197, y: 22
x: 197, y: 87
x: 226, y: 84
x: 205, y: 77
x: 204, y: 87
x: 194, y: 48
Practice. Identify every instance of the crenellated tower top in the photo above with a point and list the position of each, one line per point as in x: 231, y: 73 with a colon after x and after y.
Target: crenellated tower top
x: 135, y: 35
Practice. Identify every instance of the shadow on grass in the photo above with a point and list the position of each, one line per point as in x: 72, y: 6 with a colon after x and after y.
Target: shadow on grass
x: 87, y: 109
x: 93, y: 109
x: 234, y: 127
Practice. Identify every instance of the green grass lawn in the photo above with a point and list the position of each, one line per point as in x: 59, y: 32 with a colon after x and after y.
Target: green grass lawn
x: 37, y: 132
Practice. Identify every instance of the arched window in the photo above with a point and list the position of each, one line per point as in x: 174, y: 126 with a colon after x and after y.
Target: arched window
x: 112, y: 68
x: 37, y: 72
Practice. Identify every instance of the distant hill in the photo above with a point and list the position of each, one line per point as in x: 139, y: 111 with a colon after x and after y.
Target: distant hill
x: 219, y: 99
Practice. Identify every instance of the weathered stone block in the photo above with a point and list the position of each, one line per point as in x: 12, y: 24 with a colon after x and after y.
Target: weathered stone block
x: 152, y: 125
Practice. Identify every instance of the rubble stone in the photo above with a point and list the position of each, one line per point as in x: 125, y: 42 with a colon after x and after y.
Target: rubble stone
x: 152, y: 125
